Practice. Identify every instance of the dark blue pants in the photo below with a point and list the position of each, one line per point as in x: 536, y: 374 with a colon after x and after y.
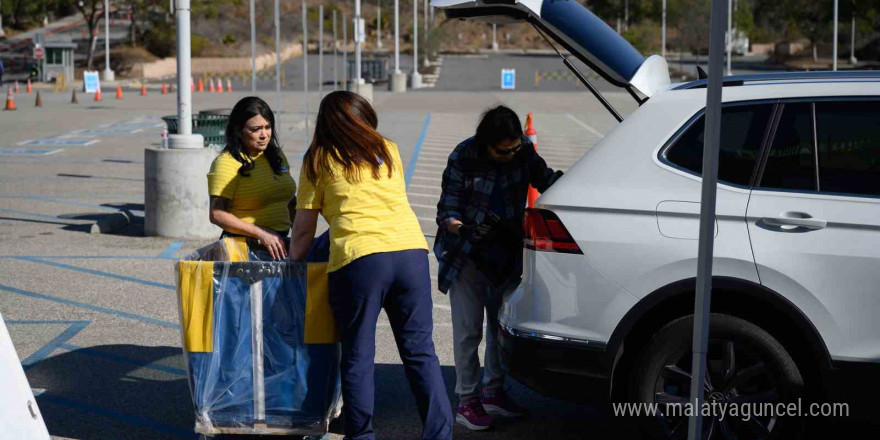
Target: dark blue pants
x: 400, y: 283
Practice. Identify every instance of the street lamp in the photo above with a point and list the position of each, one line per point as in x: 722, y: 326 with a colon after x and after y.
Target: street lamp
x: 416, y: 78
x: 108, y: 73
x: 379, y: 24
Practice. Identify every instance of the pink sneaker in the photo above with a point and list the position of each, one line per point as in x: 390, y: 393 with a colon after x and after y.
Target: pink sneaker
x: 472, y: 415
x: 496, y: 402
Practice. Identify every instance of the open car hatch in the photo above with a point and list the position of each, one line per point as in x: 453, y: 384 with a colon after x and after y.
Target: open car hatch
x: 579, y: 31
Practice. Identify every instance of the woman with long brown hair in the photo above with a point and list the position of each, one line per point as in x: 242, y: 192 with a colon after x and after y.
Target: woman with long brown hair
x: 353, y: 176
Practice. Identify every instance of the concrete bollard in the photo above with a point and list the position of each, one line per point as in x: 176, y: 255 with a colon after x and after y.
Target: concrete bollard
x: 176, y: 190
x: 397, y: 83
x: 365, y: 90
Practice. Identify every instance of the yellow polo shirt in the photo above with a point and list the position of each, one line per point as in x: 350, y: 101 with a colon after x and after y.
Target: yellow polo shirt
x: 365, y: 217
x: 260, y: 198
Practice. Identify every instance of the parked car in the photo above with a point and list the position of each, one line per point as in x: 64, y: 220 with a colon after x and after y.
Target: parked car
x: 605, y: 308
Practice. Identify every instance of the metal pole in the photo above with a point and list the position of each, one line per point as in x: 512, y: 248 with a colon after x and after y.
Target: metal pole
x: 253, y: 49
x: 2, y: 34
x: 425, y: 9
x: 277, y: 55
x: 344, y: 52
x: 306, y: 66
x: 335, y: 61
x: 108, y: 72
x: 184, y: 68
x: 852, y: 45
x: 663, y: 43
x: 494, y: 39
x: 415, y: 73
x: 729, y: 34
x: 396, y: 36
x: 379, y: 24
x: 835, y: 37
x: 358, y: 39
x: 711, y: 146
x: 320, y: 52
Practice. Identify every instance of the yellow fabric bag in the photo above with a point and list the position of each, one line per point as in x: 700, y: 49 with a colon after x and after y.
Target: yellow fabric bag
x: 320, y: 327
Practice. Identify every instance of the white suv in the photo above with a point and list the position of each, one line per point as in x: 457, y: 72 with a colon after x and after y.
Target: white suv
x: 605, y: 306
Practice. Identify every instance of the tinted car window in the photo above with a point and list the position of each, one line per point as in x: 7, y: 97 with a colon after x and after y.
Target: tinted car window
x: 791, y: 164
x: 742, y: 132
x: 849, y: 146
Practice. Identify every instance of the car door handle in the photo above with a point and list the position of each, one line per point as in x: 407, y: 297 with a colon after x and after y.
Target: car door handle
x: 798, y: 219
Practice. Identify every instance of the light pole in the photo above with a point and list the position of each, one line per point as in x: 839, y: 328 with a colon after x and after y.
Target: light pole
x: 834, y: 61
x: 2, y: 33
x: 852, y: 44
x: 335, y: 61
x: 320, y: 52
x: 398, y: 78
x: 379, y: 24
x: 277, y: 55
x: 344, y: 52
x: 626, y: 15
x: 663, y: 42
x: 253, y: 49
x: 494, y: 39
x: 108, y: 73
x: 305, y: 13
x: 416, y: 79
x: 729, y: 34
x: 358, y: 39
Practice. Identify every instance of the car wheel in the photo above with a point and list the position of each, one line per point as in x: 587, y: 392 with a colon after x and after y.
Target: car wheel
x: 746, y: 368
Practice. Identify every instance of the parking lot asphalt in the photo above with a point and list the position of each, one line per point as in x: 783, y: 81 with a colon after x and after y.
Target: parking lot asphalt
x: 94, y: 316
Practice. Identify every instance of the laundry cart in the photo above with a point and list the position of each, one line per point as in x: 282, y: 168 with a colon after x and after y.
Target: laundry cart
x: 258, y: 361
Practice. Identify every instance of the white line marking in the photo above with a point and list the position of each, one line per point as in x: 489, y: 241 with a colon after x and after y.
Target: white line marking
x: 584, y: 125
x: 422, y: 206
x: 422, y: 195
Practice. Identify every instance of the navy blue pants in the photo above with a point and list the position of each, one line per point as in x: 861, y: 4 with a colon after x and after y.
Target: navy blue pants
x: 400, y: 283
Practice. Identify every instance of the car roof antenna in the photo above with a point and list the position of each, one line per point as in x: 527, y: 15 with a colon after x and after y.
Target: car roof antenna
x: 582, y: 78
x: 701, y: 74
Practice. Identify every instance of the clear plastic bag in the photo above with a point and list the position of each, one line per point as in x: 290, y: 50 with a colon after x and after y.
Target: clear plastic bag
x: 242, y: 324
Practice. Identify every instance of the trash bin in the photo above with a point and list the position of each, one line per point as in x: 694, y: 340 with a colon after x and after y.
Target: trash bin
x: 372, y: 70
x: 212, y: 126
x: 245, y: 330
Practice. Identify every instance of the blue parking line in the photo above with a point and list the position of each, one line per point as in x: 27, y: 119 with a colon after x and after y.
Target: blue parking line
x: 82, y: 305
x: 126, y: 418
x: 98, y: 273
x: 124, y: 360
x: 46, y: 350
x: 168, y: 254
x: 411, y: 168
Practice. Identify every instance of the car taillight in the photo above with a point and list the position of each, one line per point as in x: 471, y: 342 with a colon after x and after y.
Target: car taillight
x: 543, y: 231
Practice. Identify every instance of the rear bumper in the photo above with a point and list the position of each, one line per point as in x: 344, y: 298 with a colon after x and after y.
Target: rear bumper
x: 574, y: 371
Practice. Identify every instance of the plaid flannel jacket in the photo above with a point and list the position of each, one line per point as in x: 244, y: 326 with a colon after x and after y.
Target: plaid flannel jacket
x: 468, y: 181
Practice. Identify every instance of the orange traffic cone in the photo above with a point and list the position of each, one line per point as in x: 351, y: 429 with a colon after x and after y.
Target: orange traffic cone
x: 228, y: 85
x: 29, y: 87
x: 16, y: 87
x: 533, y: 136
x: 39, y: 102
x: 98, y: 95
x: 118, y: 92
x: 10, y: 100
x: 143, y: 89
x: 211, y: 85
x: 201, y: 85
x: 164, y: 89
x: 219, y: 85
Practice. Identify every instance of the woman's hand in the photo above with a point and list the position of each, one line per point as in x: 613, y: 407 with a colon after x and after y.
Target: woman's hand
x: 273, y: 243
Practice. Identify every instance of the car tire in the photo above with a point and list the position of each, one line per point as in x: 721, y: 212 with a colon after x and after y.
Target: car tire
x: 745, y: 364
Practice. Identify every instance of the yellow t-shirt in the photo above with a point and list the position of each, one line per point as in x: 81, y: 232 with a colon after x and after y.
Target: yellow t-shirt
x: 365, y: 217
x: 260, y: 198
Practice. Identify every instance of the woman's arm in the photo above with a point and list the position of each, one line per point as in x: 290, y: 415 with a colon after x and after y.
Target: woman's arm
x: 220, y: 216
x: 303, y: 233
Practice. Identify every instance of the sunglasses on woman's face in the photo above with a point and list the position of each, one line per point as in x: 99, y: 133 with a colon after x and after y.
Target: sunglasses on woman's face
x: 506, y: 151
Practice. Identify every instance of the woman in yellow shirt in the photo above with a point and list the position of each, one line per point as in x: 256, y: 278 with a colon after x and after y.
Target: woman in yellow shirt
x: 378, y: 259
x: 251, y: 189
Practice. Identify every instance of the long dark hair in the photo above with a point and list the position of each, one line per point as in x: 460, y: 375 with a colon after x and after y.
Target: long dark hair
x: 345, y: 132
x: 243, y: 111
x: 498, y: 124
